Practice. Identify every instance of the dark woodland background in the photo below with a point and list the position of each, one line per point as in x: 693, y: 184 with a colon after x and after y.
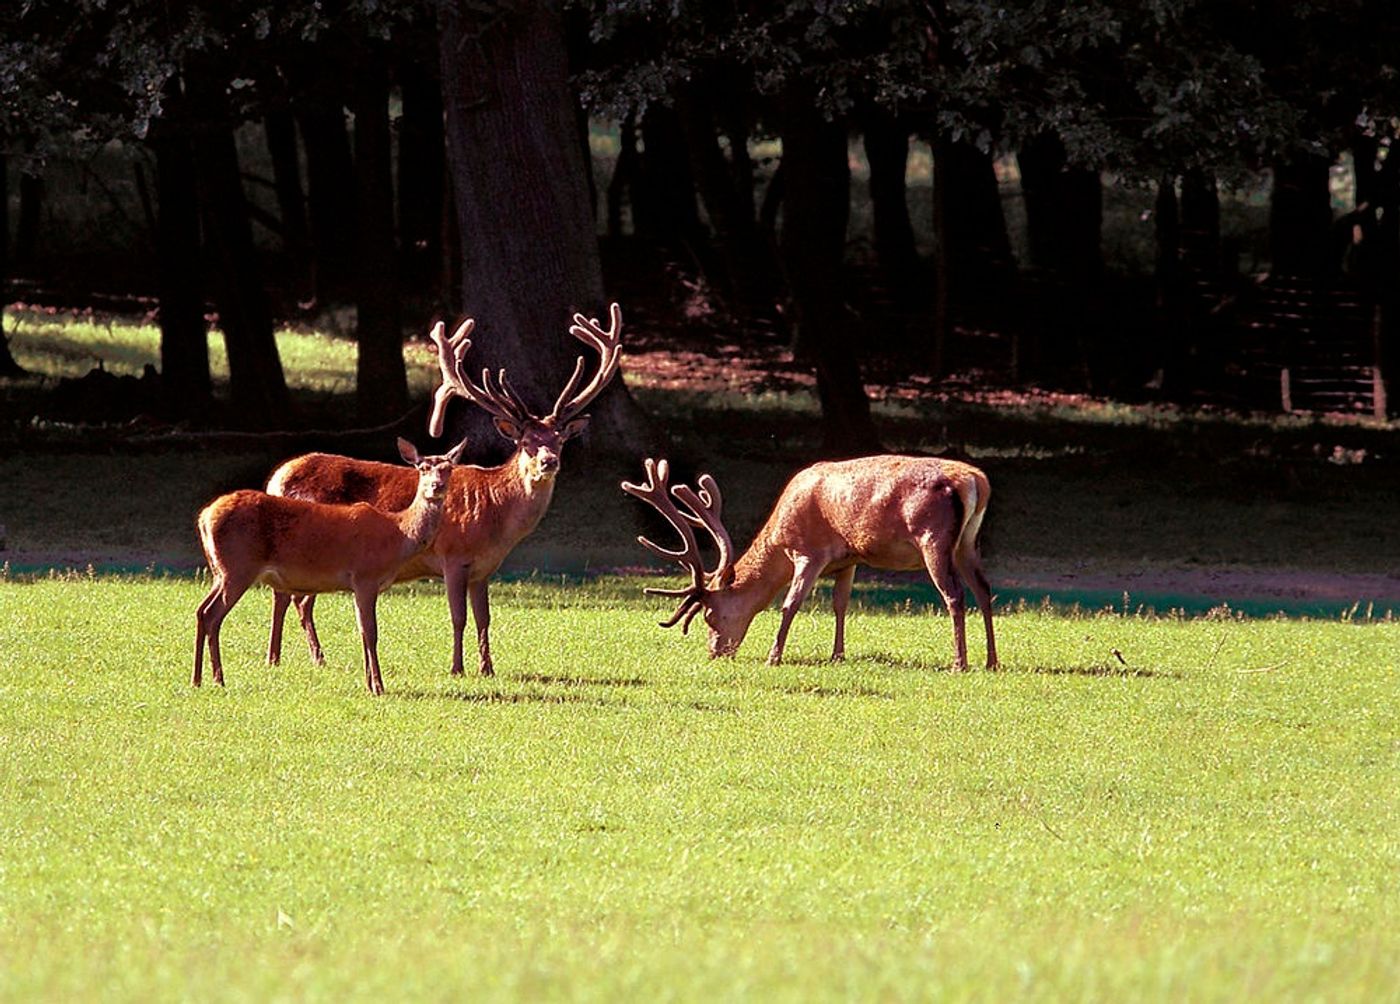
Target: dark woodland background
x: 1195, y: 202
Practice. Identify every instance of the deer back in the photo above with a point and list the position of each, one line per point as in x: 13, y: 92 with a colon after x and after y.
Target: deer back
x: 871, y: 509
x: 310, y: 545
x: 326, y: 477
x: 486, y: 514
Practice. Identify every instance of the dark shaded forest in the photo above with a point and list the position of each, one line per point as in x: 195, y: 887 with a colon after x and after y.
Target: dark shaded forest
x: 936, y: 188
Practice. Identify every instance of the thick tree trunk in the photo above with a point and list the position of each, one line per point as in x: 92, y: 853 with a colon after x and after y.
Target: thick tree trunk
x: 422, y: 172
x: 530, y: 253
x: 1300, y: 217
x: 381, y: 382
x: 184, y: 338
x: 816, y: 209
x: 256, y: 382
x: 330, y: 193
x: 8, y: 366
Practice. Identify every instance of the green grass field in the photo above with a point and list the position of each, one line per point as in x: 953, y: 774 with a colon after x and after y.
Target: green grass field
x: 1214, y: 817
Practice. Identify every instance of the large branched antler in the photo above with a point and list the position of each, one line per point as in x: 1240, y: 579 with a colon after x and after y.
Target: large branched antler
x: 702, y: 510
x: 498, y: 399
x: 609, y: 346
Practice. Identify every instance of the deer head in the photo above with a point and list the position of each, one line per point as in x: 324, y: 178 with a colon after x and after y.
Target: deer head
x: 434, y: 473
x: 709, y: 592
x: 538, y: 438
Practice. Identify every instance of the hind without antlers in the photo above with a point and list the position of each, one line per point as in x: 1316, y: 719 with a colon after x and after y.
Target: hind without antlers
x: 489, y: 509
x: 312, y: 547
x: 888, y: 512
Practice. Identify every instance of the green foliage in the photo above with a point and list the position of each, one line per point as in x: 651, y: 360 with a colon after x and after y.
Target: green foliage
x: 1141, y: 87
x: 617, y: 817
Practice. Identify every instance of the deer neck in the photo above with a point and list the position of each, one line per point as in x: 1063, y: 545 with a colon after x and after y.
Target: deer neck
x: 507, y: 489
x: 759, y: 575
x: 419, y: 522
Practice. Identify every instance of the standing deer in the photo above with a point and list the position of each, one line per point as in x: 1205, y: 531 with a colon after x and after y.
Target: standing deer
x: 891, y: 512
x: 489, y: 509
x: 311, y: 547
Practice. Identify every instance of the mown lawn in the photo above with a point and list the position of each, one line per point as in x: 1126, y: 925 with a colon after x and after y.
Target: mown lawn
x: 1212, y: 816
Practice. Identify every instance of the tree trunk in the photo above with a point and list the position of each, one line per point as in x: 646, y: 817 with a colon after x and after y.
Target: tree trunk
x: 31, y: 207
x: 979, y: 248
x: 381, y: 382
x: 624, y: 176
x: 664, y: 210
x: 330, y: 192
x: 256, y: 382
x: 280, y: 129
x: 1166, y: 349
x: 1200, y: 224
x: 184, y: 337
x: 886, y: 143
x: 1300, y: 217
x: 816, y: 210
x: 8, y: 366
x: 1376, y: 262
x: 422, y: 171
x: 1064, y: 218
x: 726, y: 189
x: 530, y: 253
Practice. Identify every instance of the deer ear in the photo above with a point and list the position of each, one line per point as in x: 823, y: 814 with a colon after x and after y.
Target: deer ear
x: 455, y: 454
x: 574, y: 426
x: 408, y: 451
x: 510, y: 429
x: 726, y: 577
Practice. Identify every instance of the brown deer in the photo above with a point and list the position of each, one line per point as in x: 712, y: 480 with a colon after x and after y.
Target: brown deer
x: 311, y: 547
x: 890, y: 512
x: 489, y: 509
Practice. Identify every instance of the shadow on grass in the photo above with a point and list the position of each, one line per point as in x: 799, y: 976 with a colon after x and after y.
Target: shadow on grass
x: 580, y: 681
x: 801, y: 691
x: 928, y: 666
x: 503, y: 697
x: 1116, y: 671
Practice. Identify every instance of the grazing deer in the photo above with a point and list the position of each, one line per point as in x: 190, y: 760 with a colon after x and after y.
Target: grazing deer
x: 312, y: 547
x: 891, y: 512
x: 489, y: 509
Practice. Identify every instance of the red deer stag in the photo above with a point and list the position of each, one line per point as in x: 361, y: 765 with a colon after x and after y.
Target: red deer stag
x: 489, y: 509
x: 312, y: 547
x: 891, y: 512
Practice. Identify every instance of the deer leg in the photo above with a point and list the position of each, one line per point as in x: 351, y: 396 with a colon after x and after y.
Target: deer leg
x: 969, y: 566
x: 840, y: 600
x: 201, y: 632
x: 211, y: 617
x: 938, y: 560
x: 280, y: 602
x: 365, y: 615
x: 481, y: 614
x: 804, y: 577
x: 306, y: 611
x: 454, y: 580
